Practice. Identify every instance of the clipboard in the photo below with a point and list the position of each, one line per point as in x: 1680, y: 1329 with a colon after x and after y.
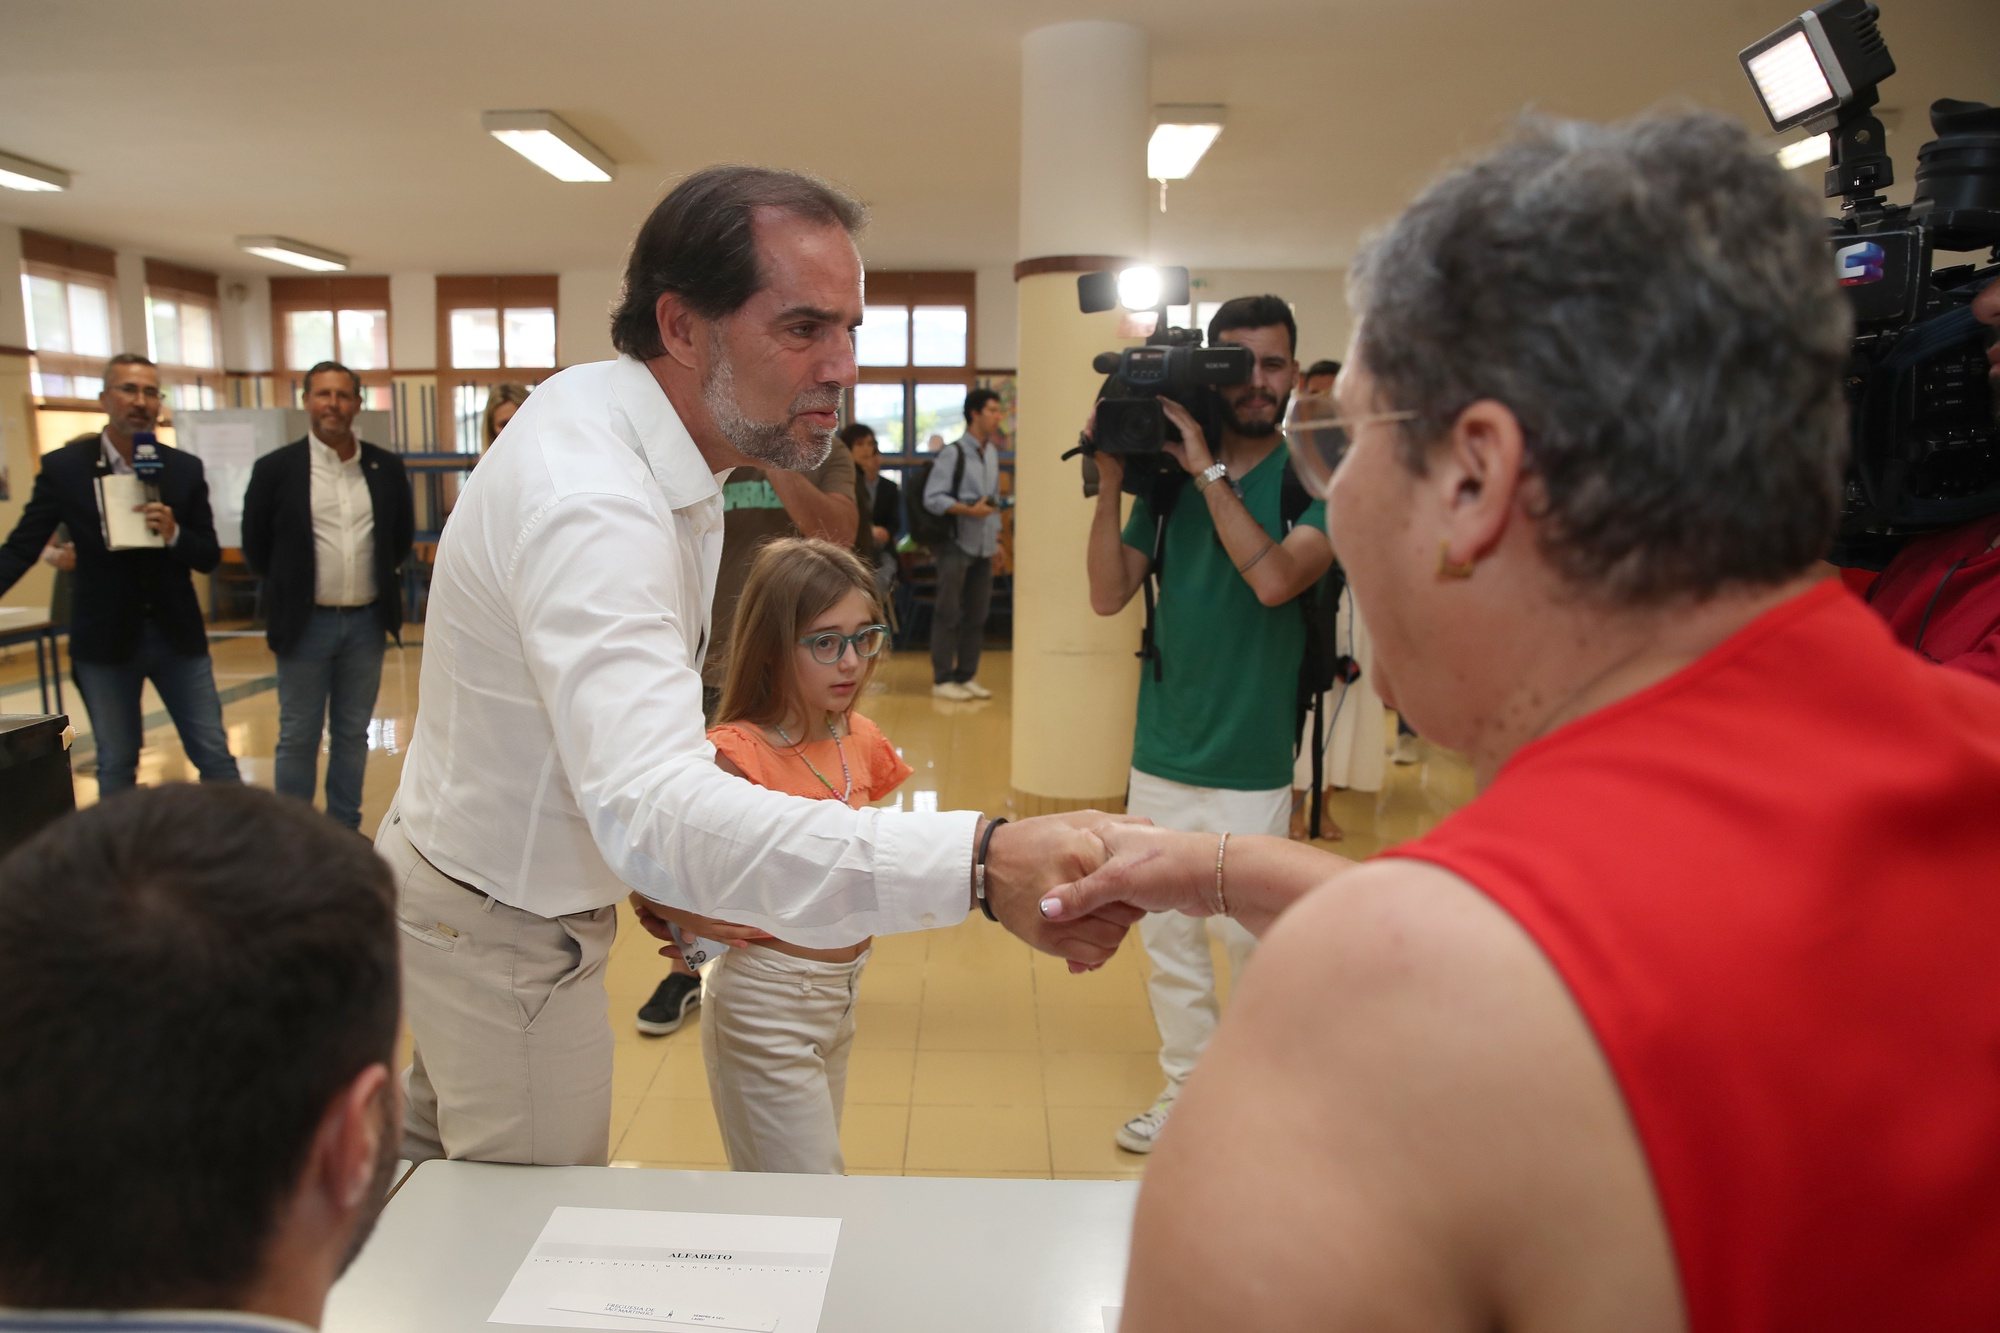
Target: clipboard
x: 123, y: 527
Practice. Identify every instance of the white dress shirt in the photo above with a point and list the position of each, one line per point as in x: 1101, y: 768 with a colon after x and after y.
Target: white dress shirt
x: 559, y: 754
x: 343, y: 527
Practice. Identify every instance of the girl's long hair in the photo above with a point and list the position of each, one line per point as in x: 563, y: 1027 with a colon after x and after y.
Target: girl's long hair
x: 793, y: 581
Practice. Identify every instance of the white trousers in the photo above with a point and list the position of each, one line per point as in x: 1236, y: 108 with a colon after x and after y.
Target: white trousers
x: 1182, y: 987
x: 511, y: 1055
x: 775, y: 1034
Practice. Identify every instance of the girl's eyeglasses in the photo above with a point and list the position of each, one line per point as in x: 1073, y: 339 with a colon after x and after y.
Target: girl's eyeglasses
x: 1318, y: 437
x: 829, y: 646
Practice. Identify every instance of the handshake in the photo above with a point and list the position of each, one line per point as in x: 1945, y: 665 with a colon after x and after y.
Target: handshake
x: 1072, y: 884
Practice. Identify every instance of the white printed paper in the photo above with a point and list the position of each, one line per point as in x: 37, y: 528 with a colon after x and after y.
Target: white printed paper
x: 621, y: 1268
x: 118, y: 496
x: 1111, y: 1316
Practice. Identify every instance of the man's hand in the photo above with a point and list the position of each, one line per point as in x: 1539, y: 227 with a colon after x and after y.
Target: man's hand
x: 1030, y: 856
x: 881, y: 535
x: 159, y: 518
x: 1192, y: 452
x: 60, y: 554
x: 1986, y: 309
x: 981, y: 509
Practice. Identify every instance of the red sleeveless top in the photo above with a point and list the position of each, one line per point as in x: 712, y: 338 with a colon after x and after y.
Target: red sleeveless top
x: 1771, y: 883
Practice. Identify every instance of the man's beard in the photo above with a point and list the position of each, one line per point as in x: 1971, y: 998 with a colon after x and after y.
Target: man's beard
x: 1254, y: 430
x: 771, y: 443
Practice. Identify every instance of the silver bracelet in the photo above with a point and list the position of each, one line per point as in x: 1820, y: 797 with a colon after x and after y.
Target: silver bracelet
x: 1221, y: 898
x: 1269, y: 547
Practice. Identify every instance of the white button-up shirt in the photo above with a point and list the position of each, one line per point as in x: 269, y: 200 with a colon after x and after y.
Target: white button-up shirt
x: 559, y: 754
x: 343, y: 527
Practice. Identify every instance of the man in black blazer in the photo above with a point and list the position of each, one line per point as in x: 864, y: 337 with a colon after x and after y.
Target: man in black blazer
x: 327, y: 522
x: 880, y: 501
x: 134, y: 615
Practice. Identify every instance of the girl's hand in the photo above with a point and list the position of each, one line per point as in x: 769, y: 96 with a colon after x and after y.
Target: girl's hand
x: 656, y: 916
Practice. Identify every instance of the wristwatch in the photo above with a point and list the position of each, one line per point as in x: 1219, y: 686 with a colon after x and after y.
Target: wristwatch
x: 1209, y: 475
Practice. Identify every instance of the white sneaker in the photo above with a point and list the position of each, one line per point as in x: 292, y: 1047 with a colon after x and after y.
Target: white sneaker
x: 975, y: 689
x: 1140, y: 1132
x: 951, y: 689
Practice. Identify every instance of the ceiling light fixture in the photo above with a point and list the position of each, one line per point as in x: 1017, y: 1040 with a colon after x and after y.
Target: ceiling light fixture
x: 1799, y: 153
x: 18, y: 173
x: 1182, y: 132
x: 296, y: 253
x: 548, y: 141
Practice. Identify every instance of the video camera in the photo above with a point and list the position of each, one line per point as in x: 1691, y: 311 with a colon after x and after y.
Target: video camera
x: 1172, y: 363
x: 1925, y: 439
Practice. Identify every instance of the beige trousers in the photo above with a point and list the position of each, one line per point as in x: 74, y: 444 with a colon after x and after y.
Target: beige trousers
x: 775, y: 1034
x: 512, y: 1053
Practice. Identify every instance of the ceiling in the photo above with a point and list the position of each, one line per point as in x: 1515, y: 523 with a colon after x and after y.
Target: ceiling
x: 356, y: 126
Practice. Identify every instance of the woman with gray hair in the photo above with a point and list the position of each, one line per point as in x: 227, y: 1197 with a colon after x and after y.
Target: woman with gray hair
x: 1686, y: 1021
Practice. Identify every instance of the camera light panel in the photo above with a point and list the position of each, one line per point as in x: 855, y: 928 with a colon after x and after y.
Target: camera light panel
x: 1790, y: 80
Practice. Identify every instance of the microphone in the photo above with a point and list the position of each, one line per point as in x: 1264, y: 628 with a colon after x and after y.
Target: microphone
x: 147, y: 463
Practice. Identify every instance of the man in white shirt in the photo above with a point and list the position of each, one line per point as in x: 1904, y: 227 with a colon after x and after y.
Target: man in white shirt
x: 327, y: 522
x: 559, y: 760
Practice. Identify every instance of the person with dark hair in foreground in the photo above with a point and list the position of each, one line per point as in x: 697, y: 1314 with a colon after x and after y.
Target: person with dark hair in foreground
x: 198, y: 1006
x: 560, y: 760
x: 1687, y: 1021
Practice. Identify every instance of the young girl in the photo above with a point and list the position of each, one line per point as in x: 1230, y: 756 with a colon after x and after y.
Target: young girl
x: 778, y: 1019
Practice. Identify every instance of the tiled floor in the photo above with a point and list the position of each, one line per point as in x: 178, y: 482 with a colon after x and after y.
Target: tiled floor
x: 973, y: 1055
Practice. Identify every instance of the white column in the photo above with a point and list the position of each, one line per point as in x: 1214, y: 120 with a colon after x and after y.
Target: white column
x: 1085, y: 115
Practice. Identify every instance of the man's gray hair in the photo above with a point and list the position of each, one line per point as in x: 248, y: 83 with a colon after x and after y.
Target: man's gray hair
x: 1655, y: 301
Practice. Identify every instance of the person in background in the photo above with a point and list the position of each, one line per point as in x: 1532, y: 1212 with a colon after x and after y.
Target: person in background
x: 1318, y: 378
x: 134, y: 616
x: 965, y: 563
x: 1212, y: 746
x: 1687, y: 1021
x: 198, y: 1014
x: 327, y: 523
x: 880, y: 501
x: 778, y: 1018
x: 502, y: 402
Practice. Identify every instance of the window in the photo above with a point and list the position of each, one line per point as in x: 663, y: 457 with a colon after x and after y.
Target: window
x: 491, y: 329
x: 344, y: 319
x: 914, y: 352
x: 70, y: 292
x: 181, y: 325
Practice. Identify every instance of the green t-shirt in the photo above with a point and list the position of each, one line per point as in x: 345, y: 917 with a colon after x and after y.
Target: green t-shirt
x: 1221, y: 713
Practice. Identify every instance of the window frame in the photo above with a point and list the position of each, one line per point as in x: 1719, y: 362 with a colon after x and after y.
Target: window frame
x: 330, y: 295
x: 72, y: 263
x: 183, y: 287
x: 498, y: 292
x: 911, y: 289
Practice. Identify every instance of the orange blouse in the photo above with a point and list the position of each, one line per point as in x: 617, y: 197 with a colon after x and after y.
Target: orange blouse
x: 874, y: 764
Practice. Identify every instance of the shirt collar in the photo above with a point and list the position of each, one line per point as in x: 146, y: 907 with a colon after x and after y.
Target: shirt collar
x: 112, y: 458
x: 331, y: 454
x: 670, y: 452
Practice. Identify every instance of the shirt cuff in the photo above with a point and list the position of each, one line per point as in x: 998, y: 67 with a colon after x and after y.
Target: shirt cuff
x: 923, y: 868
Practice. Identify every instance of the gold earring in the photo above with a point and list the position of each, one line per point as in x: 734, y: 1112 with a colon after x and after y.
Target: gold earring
x: 1449, y: 568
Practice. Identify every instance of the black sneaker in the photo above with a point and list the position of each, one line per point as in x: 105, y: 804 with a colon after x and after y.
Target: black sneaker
x: 668, y: 1008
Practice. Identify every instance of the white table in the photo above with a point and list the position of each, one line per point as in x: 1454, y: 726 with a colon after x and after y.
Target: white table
x: 1010, y: 1256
